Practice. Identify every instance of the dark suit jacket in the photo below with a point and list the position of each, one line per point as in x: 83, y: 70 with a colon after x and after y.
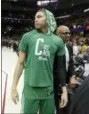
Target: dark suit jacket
x: 70, y: 71
x: 80, y: 100
x: 57, y: 67
x: 61, y: 75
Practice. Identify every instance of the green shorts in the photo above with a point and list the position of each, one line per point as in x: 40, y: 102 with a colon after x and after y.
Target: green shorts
x: 37, y: 99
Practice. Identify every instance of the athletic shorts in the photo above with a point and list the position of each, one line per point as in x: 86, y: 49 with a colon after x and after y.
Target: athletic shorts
x: 38, y: 99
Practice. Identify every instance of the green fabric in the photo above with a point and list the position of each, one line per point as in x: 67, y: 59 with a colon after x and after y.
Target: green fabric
x: 38, y: 92
x: 51, y: 21
x: 44, y: 106
x: 40, y: 49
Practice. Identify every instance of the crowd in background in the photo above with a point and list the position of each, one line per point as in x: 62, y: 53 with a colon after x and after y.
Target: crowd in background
x: 75, y: 23
x: 10, y: 43
x: 80, y: 44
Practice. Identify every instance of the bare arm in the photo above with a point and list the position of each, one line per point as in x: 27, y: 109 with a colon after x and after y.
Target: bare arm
x: 18, y: 70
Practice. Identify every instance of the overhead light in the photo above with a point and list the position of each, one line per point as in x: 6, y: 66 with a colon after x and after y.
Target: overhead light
x: 8, y: 28
x: 45, y: 2
x: 4, y: 32
x: 15, y: 0
x: 61, y: 17
x: 72, y: 4
x: 86, y: 10
x: 40, y: 3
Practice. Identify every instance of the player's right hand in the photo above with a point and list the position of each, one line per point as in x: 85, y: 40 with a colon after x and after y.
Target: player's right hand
x: 15, y: 96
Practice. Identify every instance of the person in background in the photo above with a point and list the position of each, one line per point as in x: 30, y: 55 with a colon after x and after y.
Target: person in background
x: 80, y: 101
x: 75, y: 48
x: 83, y: 47
x: 64, y: 33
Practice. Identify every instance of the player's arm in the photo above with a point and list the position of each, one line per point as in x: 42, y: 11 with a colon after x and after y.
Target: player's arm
x: 23, y: 46
x: 19, y: 69
x: 17, y: 74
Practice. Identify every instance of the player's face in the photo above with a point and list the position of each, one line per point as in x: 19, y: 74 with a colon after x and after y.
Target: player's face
x: 40, y: 20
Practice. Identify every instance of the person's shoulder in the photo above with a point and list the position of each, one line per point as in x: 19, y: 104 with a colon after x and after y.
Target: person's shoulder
x: 59, y: 41
x: 27, y: 34
x: 57, y: 38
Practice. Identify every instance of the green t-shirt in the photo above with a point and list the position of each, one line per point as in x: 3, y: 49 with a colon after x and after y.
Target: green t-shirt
x: 40, y: 49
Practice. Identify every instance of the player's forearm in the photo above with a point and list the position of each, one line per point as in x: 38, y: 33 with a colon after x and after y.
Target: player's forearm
x: 17, y: 74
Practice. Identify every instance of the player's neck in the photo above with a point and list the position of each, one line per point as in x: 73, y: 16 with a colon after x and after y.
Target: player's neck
x: 44, y: 30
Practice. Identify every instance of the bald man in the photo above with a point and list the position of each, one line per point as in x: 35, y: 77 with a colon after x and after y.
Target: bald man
x: 64, y: 33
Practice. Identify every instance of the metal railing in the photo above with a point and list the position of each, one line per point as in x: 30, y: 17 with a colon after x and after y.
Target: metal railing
x: 5, y: 90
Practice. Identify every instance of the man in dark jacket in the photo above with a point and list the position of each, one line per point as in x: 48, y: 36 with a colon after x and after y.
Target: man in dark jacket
x: 64, y: 33
x: 80, y: 101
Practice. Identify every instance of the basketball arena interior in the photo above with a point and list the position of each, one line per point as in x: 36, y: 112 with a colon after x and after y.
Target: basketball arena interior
x: 17, y: 18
